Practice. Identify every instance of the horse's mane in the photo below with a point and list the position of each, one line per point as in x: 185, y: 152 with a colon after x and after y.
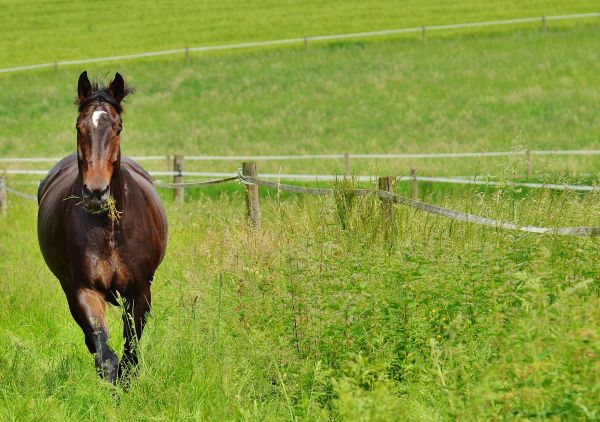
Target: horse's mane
x: 101, y: 94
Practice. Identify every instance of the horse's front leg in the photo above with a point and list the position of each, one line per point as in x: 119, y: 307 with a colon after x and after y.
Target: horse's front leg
x: 89, y: 307
x: 134, y: 320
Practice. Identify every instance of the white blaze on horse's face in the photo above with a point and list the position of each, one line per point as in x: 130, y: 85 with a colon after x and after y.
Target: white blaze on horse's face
x: 96, y: 116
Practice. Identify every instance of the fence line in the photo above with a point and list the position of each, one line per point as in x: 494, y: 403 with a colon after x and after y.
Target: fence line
x: 556, y: 186
x: 305, y: 40
x: 431, y: 209
x: 21, y: 194
x: 383, y: 194
x: 161, y: 184
x: 331, y: 178
x: 57, y: 159
x: 323, y: 156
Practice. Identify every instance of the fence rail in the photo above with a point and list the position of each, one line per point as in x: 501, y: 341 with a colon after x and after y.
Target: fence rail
x: 391, y: 197
x: 248, y: 176
x: 463, y: 180
x: 543, y: 20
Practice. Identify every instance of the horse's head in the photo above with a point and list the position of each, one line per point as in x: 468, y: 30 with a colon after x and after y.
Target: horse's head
x: 98, y: 137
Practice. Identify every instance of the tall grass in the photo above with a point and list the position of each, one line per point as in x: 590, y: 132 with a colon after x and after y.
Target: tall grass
x: 317, y: 317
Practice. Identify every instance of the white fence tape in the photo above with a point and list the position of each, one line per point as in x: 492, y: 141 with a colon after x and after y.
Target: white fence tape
x: 261, y: 157
x: 331, y: 177
x: 431, y: 209
x: 21, y: 194
x: 299, y: 40
x: 57, y: 159
x: 461, y: 181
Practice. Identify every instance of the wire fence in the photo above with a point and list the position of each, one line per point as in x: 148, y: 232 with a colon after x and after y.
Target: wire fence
x: 431, y: 209
x: 463, y: 180
x: 543, y: 20
x: 21, y: 194
x: 384, y: 194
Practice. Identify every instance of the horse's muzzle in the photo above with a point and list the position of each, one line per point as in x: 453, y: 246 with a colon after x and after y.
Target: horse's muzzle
x: 95, y: 200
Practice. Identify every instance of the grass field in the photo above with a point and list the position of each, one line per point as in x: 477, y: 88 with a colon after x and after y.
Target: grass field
x: 467, y: 93
x: 319, y: 315
x: 308, y: 320
x: 35, y: 31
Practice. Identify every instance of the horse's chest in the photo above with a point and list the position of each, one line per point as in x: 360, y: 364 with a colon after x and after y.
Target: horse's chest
x: 109, y: 270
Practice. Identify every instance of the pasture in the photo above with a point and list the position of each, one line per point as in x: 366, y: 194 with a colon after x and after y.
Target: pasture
x: 320, y: 315
x: 308, y: 320
x: 35, y: 32
x: 467, y: 93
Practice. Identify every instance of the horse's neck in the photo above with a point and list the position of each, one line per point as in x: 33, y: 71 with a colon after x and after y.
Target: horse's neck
x: 117, y: 186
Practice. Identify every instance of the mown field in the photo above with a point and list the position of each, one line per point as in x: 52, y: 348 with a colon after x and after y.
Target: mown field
x: 35, y: 31
x: 322, y: 314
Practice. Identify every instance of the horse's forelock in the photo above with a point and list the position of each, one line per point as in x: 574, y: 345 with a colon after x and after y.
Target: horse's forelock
x: 101, y: 94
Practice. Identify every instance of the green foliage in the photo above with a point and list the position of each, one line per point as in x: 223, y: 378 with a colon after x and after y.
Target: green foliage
x: 311, y: 319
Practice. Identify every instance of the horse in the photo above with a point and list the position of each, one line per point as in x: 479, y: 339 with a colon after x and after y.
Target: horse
x: 102, y: 228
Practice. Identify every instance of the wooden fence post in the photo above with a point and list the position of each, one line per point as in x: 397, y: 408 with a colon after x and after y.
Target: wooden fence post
x: 178, y: 178
x: 305, y: 43
x: 252, y: 203
x: 3, y: 196
x: 529, y: 164
x: 187, y: 55
x: 544, y: 26
x: 414, y: 184
x: 347, y: 164
x: 387, y: 183
x: 423, y: 33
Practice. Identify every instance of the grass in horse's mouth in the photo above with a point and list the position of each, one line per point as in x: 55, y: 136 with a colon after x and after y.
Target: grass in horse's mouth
x: 110, y: 207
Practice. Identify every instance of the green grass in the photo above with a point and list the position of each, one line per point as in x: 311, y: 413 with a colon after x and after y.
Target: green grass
x: 35, y: 32
x: 467, y: 93
x: 319, y: 315
x: 309, y: 320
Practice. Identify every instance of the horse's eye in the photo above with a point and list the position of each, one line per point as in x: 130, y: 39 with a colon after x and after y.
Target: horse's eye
x: 118, y: 131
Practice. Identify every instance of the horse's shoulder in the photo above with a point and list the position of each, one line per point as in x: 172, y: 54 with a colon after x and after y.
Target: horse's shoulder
x: 60, y: 176
x: 134, y: 174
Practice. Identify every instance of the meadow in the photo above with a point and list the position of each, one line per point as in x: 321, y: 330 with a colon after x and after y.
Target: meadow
x: 323, y: 313
x: 319, y: 317
x: 494, y: 92
x: 35, y: 31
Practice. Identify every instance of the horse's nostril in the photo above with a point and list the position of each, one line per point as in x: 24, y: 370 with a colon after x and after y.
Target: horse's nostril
x: 97, y: 195
x: 86, y: 192
x: 104, y: 194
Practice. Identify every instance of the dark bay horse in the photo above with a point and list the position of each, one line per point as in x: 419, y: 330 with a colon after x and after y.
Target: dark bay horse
x: 102, y: 228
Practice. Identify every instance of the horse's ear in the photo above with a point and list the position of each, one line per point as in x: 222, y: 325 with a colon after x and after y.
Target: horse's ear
x: 84, y: 87
x: 117, y: 88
